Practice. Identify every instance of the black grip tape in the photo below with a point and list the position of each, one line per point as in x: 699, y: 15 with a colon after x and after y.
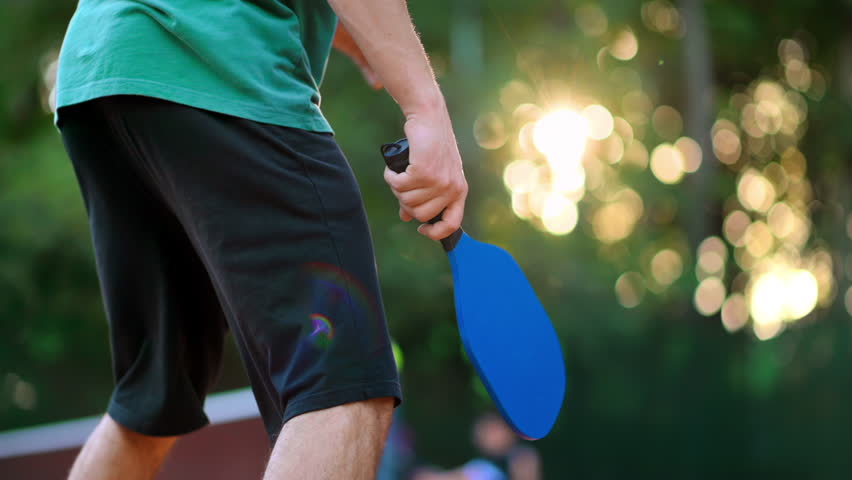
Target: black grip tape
x: 396, y: 158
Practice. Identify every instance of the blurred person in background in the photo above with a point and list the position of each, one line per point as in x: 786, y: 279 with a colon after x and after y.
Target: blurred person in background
x: 216, y: 193
x: 503, y: 456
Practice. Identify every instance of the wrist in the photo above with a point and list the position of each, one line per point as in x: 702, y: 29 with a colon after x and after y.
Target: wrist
x: 429, y: 103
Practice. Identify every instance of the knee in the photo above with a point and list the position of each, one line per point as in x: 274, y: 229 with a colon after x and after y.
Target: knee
x: 375, y: 411
x: 135, y: 439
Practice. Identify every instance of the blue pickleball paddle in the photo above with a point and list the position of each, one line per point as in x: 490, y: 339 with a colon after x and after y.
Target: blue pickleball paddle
x: 503, y: 326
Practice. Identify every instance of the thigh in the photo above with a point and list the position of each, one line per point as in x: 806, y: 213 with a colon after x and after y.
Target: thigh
x: 277, y: 217
x: 166, y: 325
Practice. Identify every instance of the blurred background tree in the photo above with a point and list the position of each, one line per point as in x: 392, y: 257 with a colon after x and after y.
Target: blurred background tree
x: 670, y: 175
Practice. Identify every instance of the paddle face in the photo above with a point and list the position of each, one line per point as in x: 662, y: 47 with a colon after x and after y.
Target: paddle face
x: 508, y: 336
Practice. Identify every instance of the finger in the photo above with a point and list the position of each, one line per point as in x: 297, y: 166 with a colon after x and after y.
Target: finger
x: 414, y: 198
x: 428, y: 210
x: 401, y: 182
x: 404, y: 215
x: 450, y: 222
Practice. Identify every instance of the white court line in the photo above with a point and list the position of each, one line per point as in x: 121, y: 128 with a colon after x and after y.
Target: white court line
x: 222, y: 407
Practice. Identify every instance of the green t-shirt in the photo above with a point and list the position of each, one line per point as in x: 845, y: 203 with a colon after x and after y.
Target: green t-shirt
x: 257, y: 59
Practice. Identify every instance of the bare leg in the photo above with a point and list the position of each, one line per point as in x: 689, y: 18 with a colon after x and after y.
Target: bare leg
x: 340, y: 442
x: 113, y: 451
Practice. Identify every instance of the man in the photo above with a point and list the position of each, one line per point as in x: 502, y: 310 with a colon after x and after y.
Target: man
x: 218, y: 201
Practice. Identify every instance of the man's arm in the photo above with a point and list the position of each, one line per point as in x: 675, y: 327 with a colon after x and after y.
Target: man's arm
x: 434, y: 180
x: 344, y: 43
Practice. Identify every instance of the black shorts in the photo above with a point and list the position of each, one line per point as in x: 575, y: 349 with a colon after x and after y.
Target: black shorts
x: 204, y: 223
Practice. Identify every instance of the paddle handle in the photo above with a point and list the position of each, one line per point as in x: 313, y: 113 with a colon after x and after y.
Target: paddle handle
x: 396, y: 158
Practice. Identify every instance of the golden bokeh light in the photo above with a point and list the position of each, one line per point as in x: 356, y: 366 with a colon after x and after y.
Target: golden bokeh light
x: 612, y: 148
x: 768, y: 117
x: 525, y: 139
x: 600, y: 121
x: 744, y: 259
x: 660, y: 16
x: 726, y: 146
x: 821, y: 266
x: 781, y: 220
x: 790, y: 49
x: 782, y: 294
x: 735, y: 312
x: 691, y: 152
x: 794, y: 164
x: 758, y: 239
x: 667, y: 163
x: 569, y: 180
x: 637, y: 101
x: 489, y: 131
x: 667, y: 122
x: 818, y: 85
x: 798, y: 75
x: 520, y: 176
x: 755, y: 192
x: 559, y: 214
x: 768, y: 91
x: 712, y: 255
x: 776, y: 174
x: 625, y: 45
x: 535, y: 201
x: 591, y: 20
x: 767, y: 331
x: 520, y: 205
x: 767, y: 299
x: 734, y: 227
x: 636, y: 155
x: 516, y: 93
x: 615, y: 221
x: 561, y: 135
x: 804, y: 292
x: 624, y: 130
x: 630, y: 289
x: 709, y: 296
x: 666, y: 267
x: 527, y: 113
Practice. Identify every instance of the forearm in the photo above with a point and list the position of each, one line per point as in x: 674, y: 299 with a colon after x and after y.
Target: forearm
x: 384, y: 32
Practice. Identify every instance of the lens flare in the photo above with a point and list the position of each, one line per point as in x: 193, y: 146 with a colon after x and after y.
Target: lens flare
x: 323, y: 330
x: 561, y: 135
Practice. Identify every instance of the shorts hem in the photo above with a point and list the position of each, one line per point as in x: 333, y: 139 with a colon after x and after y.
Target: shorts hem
x: 133, y: 421
x: 340, y: 396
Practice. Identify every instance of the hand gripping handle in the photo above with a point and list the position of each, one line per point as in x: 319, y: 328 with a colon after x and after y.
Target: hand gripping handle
x: 396, y: 158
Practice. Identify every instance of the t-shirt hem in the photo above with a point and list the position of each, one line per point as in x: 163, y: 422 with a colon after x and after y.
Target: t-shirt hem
x: 315, y: 122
